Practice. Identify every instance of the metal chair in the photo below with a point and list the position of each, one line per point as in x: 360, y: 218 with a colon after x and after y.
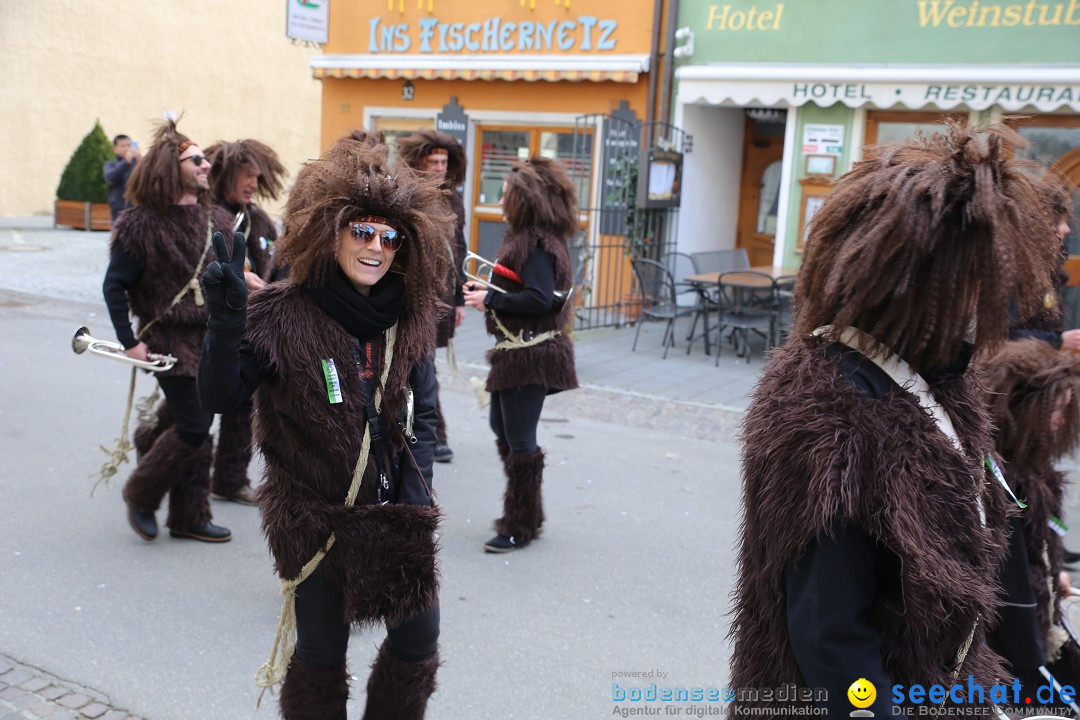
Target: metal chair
x: 747, y: 303
x: 721, y: 260
x: 658, y: 299
x: 785, y: 296
x: 700, y: 298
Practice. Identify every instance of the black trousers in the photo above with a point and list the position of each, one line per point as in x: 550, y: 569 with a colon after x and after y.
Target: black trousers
x: 322, y: 635
x: 515, y: 414
x: 192, y: 422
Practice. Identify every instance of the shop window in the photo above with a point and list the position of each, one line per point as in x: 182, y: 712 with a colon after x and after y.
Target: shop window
x: 888, y: 126
x: 499, y: 150
x: 396, y: 127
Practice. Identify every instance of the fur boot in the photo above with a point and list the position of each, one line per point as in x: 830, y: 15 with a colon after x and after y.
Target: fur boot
x: 233, y: 454
x: 146, y: 435
x: 309, y: 693
x: 163, y: 466
x: 399, y: 690
x: 189, y: 498
x: 522, y: 506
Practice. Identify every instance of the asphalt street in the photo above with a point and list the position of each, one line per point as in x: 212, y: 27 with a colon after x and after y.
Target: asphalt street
x: 632, y: 573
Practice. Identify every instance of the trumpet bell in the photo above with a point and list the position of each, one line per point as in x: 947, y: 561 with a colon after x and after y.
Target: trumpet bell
x: 84, y: 341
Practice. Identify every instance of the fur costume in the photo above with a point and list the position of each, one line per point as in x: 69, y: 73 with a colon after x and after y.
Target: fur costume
x: 523, y: 511
x: 414, y: 150
x: 172, y: 466
x: 398, y: 689
x: 384, y: 557
x: 1026, y: 380
x: 310, y: 693
x: 550, y: 363
x: 171, y: 246
x: 816, y: 448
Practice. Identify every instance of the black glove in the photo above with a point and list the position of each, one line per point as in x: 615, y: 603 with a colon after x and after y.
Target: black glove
x: 223, y: 285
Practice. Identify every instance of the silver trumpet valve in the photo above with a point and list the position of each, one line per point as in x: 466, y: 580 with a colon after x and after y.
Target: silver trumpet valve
x: 83, y: 341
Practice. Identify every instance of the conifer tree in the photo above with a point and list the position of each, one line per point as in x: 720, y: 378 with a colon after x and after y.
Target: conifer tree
x: 84, y: 179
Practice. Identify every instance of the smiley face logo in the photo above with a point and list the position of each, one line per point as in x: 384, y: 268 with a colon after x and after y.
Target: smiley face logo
x: 862, y: 693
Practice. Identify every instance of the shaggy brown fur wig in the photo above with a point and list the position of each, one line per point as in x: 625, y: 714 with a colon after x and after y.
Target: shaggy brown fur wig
x: 352, y: 179
x: 416, y: 147
x: 155, y: 182
x: 541, y: 196
x: 1026, y: 379
x: 921, y: 236
x: 226, y: 159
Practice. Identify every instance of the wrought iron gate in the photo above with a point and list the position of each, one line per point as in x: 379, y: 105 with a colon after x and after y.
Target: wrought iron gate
x: 616, y: 229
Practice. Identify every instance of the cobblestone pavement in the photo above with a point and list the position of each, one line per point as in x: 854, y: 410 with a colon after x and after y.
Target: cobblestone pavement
x: 27, y: 693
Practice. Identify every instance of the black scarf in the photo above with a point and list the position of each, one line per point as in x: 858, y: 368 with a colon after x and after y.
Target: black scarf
x: 362, y: 316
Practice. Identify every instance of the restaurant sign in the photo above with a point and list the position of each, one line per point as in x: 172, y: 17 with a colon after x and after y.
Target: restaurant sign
x: 716, y: 85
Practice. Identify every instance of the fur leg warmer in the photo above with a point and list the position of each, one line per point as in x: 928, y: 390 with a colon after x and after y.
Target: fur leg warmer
x: 310, y: 693
x: 397, y: 689
x: 146, y: 436
x: 233, y: 454
x: 162, y: 467
x: 189, y: 498
x: 522, y: 506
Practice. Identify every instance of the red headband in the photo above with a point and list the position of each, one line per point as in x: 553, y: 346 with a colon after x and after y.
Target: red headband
x: 380, y: 220
x: 439, y: 151
x: 184, y: 146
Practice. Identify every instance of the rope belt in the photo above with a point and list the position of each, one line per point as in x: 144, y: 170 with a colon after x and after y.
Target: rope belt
x: 517, y: 341
x: 273, y: 670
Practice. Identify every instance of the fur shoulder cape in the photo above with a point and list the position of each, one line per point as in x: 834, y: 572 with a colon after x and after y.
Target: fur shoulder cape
x: 817, y: 448
x: 172, y: 248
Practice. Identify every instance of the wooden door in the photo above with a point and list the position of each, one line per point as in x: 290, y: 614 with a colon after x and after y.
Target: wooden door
x: 759, y: 194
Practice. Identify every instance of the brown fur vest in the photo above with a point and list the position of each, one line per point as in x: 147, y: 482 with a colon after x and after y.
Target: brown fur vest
x: 170, y: 247
x: 815, y: 447
x: 549, y: 363
x: 384, y: 556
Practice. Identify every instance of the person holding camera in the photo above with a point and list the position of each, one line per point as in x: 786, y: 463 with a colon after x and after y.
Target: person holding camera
x: 331, y: 357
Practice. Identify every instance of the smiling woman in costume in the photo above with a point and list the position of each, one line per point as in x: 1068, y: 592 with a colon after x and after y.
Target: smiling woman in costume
x: 331, y: 357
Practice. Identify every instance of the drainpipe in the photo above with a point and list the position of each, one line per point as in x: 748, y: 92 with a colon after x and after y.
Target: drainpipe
x: 669, y: 62
x: 654, y: 67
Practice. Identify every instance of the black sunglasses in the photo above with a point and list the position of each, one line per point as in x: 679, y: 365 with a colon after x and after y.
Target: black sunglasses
x: 390, y: 239
x: 197, y: 159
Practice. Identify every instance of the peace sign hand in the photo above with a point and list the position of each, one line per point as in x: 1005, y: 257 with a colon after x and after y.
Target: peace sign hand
x: 223, y: 284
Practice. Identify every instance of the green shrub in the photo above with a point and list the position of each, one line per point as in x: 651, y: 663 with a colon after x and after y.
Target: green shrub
x: 84, y: 178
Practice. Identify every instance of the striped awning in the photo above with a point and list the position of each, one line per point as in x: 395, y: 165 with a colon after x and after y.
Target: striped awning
x: 527, y: 68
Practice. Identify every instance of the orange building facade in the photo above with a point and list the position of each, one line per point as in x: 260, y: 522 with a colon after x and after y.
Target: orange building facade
x: 511, y: 78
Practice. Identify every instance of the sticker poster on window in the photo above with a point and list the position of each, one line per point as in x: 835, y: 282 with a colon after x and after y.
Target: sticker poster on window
x: 823, y: 139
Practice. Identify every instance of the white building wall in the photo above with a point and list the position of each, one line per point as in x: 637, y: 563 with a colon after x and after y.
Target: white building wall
x: 65, y: 63
x: 709, y: 212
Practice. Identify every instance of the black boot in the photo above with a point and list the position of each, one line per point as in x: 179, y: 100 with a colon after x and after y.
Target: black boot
x: 522, y: 505
x: 163, y: 465
x: 310, y: 693
x: 398, y: 689
x: 189, y: 501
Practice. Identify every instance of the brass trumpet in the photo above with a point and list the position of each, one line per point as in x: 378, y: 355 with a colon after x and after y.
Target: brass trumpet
x: 481, y: 270
x: 83, y: 341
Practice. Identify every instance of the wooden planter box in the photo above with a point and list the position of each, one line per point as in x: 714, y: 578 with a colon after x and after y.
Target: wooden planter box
x: 82, y: 215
